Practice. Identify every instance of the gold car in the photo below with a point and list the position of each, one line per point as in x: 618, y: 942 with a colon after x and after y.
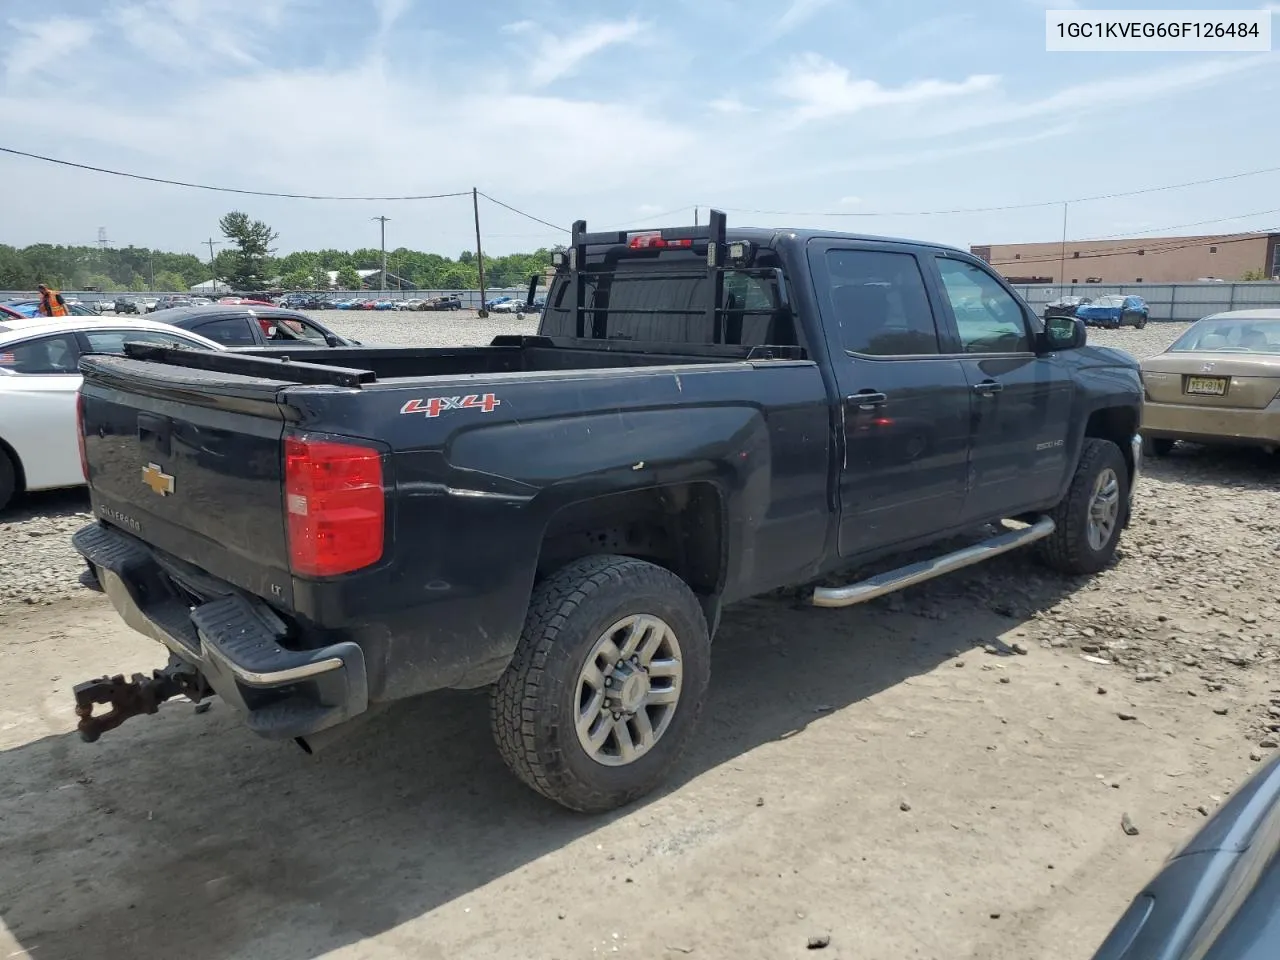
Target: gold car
x: 1217, y: 383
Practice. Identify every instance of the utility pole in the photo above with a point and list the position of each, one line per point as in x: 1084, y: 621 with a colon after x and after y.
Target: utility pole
x: 151, y: 259
x: 213, y: 270
x: 1062, y: 265
x: 695, y: 216
x: 475, y: 208
x: 383, y: 222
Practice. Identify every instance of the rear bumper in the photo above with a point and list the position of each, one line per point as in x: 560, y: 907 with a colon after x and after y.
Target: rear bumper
x: 1179, y: 421
x: 233, y: 640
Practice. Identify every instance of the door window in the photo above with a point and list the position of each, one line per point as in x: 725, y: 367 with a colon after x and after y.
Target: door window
x: 879, y: 301
x: 988, y: 318
x: 113, y: 341
x: 232, y: 332
x: 290, y: 328
x: 43, y: 355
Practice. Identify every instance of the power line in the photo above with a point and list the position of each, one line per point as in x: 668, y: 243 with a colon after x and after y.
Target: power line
x: 1180, y: 226
x: 1166, y: 247
x: 205, y: 186
x: 528, y: 216
x: 1008, y: 206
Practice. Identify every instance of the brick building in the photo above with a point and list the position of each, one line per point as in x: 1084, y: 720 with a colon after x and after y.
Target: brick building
x: 1230, y: 256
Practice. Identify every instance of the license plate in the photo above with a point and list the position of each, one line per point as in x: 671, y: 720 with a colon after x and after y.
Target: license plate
x: 1210, y: 386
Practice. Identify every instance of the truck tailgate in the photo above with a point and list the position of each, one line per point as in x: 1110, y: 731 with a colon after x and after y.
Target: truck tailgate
x: 190, y: 461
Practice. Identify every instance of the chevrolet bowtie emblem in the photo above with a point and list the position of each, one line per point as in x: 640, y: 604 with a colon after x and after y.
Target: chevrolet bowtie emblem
x: 155, y: 478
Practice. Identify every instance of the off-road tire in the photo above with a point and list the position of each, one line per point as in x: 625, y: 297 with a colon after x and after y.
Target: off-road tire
x: 533, y: 704
x: 8, y: 479
x: 1067, y: 549
x: 1157, y: 446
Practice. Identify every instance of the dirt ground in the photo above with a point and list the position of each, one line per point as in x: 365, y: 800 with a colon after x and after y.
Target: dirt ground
x: 897, y: 776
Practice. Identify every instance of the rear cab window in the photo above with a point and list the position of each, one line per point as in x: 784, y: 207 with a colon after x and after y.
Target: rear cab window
x: 664, y: 299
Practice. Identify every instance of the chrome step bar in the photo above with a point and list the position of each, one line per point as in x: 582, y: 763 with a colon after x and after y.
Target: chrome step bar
x: 914, y: 573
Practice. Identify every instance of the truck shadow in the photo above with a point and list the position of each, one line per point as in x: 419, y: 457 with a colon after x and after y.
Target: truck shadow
x: 1208, y: 466
x: 184, y: 835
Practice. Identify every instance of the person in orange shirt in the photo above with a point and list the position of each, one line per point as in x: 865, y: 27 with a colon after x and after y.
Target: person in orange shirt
x: 51, y: 303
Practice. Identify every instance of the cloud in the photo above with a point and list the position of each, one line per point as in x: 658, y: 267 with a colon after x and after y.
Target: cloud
x: 821, y: 89
x: 558, y: 56
x: 730, y: 105
x: 45, y: 45
x: 389, y: 11
x: 1094, y: 96
x: 797, y: 13
x: 850, y: 201
x: 192, y: 34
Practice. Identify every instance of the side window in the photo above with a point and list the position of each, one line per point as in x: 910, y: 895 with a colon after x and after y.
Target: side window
x: 58, y: 354
x: 880, y: 303
x: 232, y: 332
x: 279, y: 327
x: 113, y: 341
x: 308, y: 331
x: 988, y: 318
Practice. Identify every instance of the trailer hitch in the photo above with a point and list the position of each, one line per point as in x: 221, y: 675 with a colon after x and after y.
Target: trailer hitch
x: 129, y: 698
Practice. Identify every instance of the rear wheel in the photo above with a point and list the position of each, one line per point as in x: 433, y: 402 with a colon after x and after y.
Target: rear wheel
x: 606, y: 684
x: 8, y: 479
x: 1089, y: 518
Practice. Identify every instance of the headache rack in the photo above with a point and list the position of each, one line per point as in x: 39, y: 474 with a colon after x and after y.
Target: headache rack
x: 709, y: 241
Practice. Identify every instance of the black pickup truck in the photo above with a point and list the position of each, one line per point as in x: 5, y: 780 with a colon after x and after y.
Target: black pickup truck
x: 704, y: 415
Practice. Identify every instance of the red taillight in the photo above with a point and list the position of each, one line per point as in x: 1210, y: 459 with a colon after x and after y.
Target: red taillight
x: 646, y: 241
x: 84, y: 459
x: 335, y: 506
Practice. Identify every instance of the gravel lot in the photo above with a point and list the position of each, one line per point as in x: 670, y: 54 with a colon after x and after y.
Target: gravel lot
x: 941, y: 773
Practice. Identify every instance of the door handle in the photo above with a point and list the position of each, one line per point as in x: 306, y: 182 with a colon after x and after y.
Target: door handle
x: 987, y: 387
x: 868, y: 398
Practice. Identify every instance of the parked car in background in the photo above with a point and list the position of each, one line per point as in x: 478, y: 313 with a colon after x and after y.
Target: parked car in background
x: 31, y: 308
x: 147, y: 304
x: 245, y: 326
x: 168, y: 302
x: 447, y: 302
x: 245, y: 302
x: 1114, y: 311
x: 1063, y: 307
x: 413, y: 303
x: 1217, y: 383
x: 506, y: 305
x: 496, y: 302
x: 125, y: 305
x: 1216, y: 896
x: 39, y: 378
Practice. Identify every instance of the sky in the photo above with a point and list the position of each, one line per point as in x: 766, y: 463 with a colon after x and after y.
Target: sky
x: 781, y: 112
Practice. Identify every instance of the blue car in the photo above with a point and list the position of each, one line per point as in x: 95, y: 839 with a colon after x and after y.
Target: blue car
x: 1114, y: 311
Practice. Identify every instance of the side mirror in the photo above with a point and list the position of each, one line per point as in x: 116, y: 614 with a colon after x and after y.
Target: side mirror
x: 1063, y: 333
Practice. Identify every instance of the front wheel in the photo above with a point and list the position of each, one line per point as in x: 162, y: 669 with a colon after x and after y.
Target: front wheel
x: 606, y: 684
x: 1089, y: 518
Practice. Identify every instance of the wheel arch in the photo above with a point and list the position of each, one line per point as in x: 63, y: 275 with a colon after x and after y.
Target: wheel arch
x: 19, y: 472
x: 681, y: 527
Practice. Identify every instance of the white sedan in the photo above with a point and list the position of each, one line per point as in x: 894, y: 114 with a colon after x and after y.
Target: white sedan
x: 39, y: 378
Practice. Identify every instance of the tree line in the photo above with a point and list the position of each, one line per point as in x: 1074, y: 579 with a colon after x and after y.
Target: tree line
x: 248, y: 262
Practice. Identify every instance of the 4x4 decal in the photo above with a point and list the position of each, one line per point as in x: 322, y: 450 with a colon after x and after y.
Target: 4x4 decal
x: 434, y: 406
